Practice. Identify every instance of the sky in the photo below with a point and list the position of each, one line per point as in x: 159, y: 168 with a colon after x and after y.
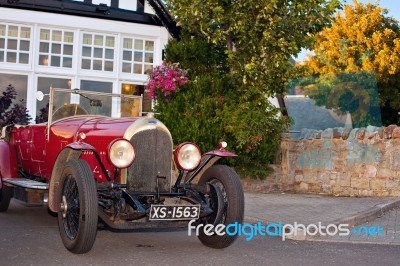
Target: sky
x: 393, y: 6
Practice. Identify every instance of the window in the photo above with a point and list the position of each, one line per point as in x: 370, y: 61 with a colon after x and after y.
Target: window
x: 56, y: 48
x: 137, y: 56
x: 98, y: 2
x: 14, y: 43
x: 98, y: 52
x: 20, y: 84
x: 44, y: 85
x: 98, y: 86
x: 127, y: 4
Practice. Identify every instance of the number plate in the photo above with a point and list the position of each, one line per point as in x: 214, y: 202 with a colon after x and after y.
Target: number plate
x: 174, y: 212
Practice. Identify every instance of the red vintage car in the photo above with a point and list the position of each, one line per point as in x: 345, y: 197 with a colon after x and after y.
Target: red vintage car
x: 92, y: 161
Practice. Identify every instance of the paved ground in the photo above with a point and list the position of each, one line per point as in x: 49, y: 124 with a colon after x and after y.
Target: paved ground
x: 379, y: 216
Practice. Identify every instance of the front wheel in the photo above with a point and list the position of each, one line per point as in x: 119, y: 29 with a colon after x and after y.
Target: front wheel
x: 5, y: 197
x: 78, y: 215
x: 227, y: 201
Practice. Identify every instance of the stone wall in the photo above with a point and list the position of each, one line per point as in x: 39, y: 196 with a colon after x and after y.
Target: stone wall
x: 343, y: 162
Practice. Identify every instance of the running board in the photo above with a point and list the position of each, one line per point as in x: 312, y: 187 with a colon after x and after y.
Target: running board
x: 26, y: 183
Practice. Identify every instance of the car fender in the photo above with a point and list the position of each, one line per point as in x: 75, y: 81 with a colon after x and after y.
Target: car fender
x: 8, y: 161
x: 71, y: 151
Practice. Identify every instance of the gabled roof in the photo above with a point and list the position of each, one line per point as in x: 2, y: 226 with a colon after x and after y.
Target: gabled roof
x: 162, y: 17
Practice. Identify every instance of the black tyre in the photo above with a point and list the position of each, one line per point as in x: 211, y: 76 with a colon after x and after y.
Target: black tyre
x: 226, y: 190
x: 78, y: 215
x: 6, y: 194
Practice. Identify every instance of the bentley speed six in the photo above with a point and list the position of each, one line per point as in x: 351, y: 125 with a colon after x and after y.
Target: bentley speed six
x: 96, y: 161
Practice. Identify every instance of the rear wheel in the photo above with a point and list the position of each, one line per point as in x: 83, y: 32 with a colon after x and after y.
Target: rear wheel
x: 78, y: 215
x: 5, y: 197
x: 226, y: 200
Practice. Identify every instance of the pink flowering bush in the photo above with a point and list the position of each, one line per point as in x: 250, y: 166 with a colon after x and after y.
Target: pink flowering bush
x: 166, y: 79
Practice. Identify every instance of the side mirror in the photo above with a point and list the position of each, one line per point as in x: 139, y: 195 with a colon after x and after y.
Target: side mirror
x: 39, y: 96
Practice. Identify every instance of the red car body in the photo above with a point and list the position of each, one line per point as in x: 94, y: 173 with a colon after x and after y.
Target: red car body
x: 88, y: 166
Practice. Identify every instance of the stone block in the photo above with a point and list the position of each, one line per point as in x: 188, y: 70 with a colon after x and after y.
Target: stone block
x: 388, y: 131
x: 327, y: 133
x: 396, y: 133
x: 314, y: 188
x: 394, y: 193
x: 361, y: 134
x: 344, y: 180
x: 303, y: 187
x: 326, y: 188
x: 346, y: 133
x: 298, y: 178
x: 360, y: 183
x: 377, y: 184
x: 370, y: 171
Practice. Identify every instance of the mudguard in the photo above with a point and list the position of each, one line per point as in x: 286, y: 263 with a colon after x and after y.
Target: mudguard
x: 8, y: 161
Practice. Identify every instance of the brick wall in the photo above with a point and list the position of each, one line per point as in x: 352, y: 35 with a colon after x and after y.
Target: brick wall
x: 343, y: 162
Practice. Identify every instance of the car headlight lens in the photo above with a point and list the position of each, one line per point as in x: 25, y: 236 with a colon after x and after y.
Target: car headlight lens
x: 187, y: 156
x: 121, y: 153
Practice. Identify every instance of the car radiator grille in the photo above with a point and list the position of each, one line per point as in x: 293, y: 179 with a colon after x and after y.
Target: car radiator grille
x: 153, y: 159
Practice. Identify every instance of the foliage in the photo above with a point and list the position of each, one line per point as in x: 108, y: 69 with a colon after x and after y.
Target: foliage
x: 354, y: 93
x: 166, y: 79
x: 12, y: 111
x: 208, y: 109
x: 362, y: 38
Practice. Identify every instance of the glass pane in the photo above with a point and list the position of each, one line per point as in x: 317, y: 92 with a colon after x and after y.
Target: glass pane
x: 108, y: 66
x: 12, y: 44
x: 126, y: 67
x: 43, y: 60
x: 56, y: 48
x: 19, y: 82
x: 11, y: 57
x: 98, y: 86
x: 139, y: 44
x: 87, y: 39
x: 25, y: 32
x: 148, y: 69
x: 98, y: 40
x: 87, y: 51
x: 68, y: 37
x: 127, y: 43
x: 24, y: 45
x: 55, y: 61
x: 109, y: 54
x: 109, y: 41
x: 68, y: 49
x: 138, y: 57
x: 1, y: 56
x: 44, y: 86
x: 137, y: 69
x: 85, y: 64
x: 127, y: 55
x: 23, y: 58
x: 149, y: 46
x: 2, y: 30
x: 13, y: 31
x: 67, y: 62
x: 148, y: 57
x: 98, y: 52
x: 57, y: 36
x: 44, y: 47
x: 97, y: 65
x: 45, y: 35
x: 2, y: 42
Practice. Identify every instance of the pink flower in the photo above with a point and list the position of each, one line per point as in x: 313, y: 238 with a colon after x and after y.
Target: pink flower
x: 166, y: 78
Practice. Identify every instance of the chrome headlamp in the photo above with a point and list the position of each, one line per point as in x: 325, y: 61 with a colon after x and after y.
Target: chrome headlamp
x: 121, y: 153
x: 187, y: 156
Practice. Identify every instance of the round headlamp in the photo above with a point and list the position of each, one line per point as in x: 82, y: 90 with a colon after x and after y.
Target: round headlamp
x: 121, y: 153
x: 187, y: 156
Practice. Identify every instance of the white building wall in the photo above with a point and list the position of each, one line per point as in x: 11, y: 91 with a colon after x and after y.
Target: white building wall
x: 79, y: 26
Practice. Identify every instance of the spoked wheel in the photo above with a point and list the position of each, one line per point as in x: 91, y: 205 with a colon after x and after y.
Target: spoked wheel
x: 227, y: 201
x: 78, y: 215
x: 5, y: 197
